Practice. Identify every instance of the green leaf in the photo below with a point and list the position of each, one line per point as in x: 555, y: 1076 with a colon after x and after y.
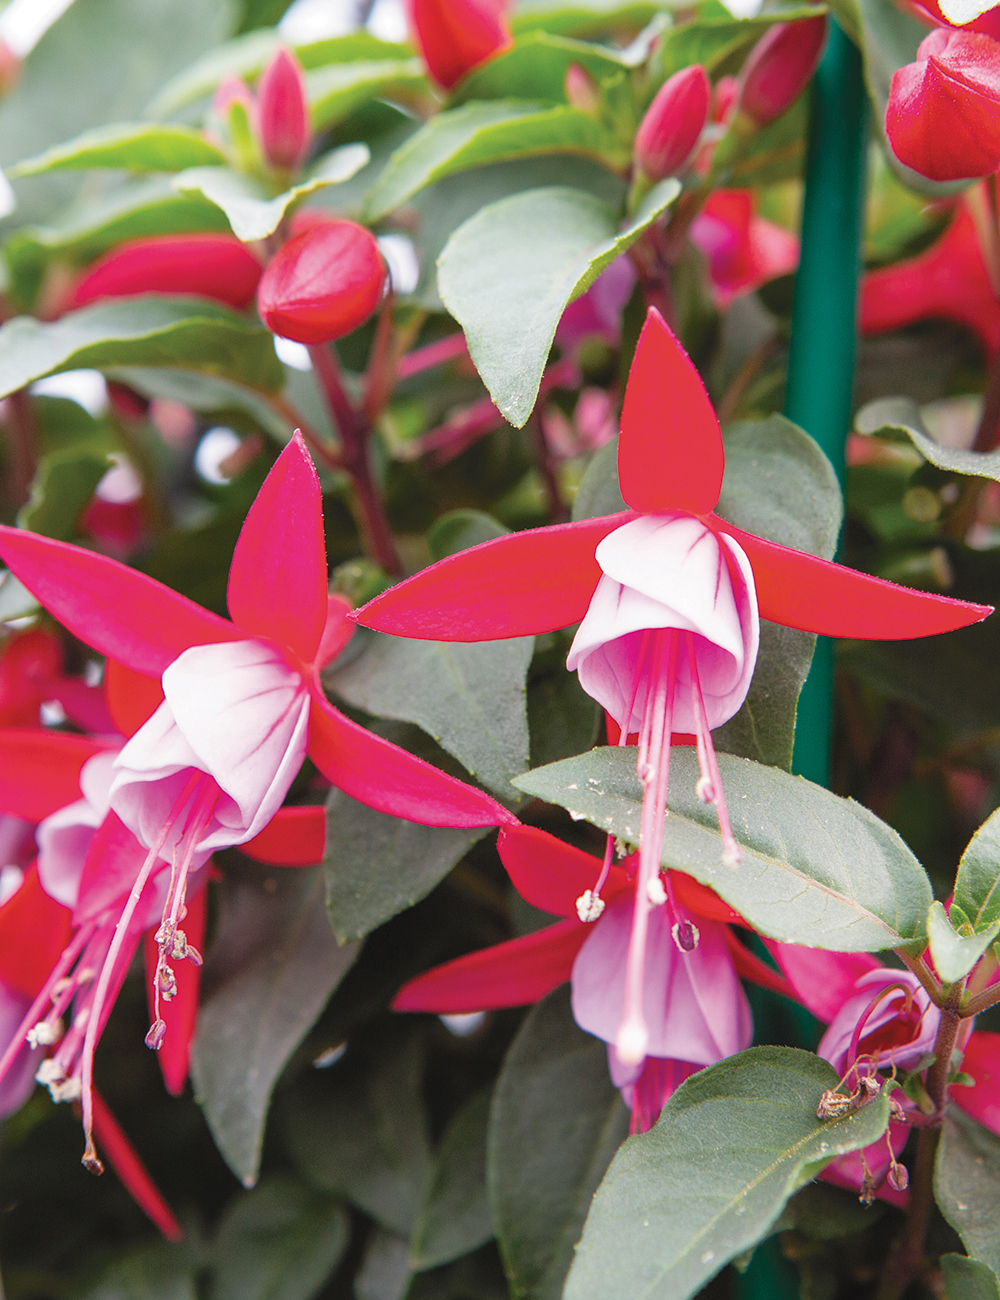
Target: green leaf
x: 144, y: 331
x: 160, y: 1270
x: 977, y: 885
x: 271, y: 969
x: 63, y: 485
x: 901, y: 415
x: 967, y: 1279
x: 765, y: 157
x: 955, y: 953
x: 732, y: 1144
x: 362, y: 1134
x: 469, y: 697
x: 817, y: 869
x: 201, y: 392
x: 247, y: 55
x: 460, y: 529
x: 377, y: 866
x: 279, y: 1242
x: 454, y: 1218
x: 251, y: 214
x: 535, y: 69
x: 599, y: 493
x: 16, y: 601
x: 507, y: 274
x: 586, y: 19
x: 713, y: 42
x: 555, y: 1123
x: 136, y: 146
x: 484, y: 132
x: 967, y: 1185
x: 340, y: 89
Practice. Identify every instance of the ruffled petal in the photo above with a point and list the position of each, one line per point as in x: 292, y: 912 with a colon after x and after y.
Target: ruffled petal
x: 237, y: 712
x: 887, y: 1035
x: 822, y: 981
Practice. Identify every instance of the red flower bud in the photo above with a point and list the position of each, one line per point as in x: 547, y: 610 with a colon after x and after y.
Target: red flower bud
x: 779, y: 66
x: 943, y: 115
x: 210, y: 265
x: 283, y: 113
x: 582, y: 91
x: 454, y: 36
x: 323, y: 283
x: 727, y: 93
x: 674, y: 120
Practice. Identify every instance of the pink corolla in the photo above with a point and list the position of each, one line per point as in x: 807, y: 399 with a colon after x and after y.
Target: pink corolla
x: 693, y: 1000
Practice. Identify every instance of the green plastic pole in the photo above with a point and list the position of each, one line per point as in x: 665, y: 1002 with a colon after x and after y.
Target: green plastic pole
x: 824, y: 322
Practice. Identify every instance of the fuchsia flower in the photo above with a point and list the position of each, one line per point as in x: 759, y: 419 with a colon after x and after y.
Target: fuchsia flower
x: 948, y: 280
x: 668, y: 593
x: 695, y: 1006
x: 743, y: 250
x: 241, y: 706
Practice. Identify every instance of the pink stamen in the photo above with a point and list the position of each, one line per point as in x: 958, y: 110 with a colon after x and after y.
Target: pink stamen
x: 633, y: 1034
x: 907, y: 1008
x: 708, y: 763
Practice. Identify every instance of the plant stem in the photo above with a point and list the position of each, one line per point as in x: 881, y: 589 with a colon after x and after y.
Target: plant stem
x: 380, y: 377
x: 982, y: 1001
x: 354, y: 458
x: 23, y: 445
x: 919, y: 967
x: 432, y: 354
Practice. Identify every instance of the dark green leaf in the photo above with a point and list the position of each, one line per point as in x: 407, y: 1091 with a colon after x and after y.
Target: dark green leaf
x: 507, y: 274
x: 563, y: 718
x: 63, y: 485
x: 385, y: 1271
x: 586, y: 19
x: 460, y: 529
x: 279, y: 1242
x: 711, y: 1178
x: 901, y: 415
x: 159, y: 1271
x: 454, y: 1218
x: 483, y: 132
x: 977, y: 886
x: 817, y: 869
x: 362, y: 1134
x: 203, y: 393
x: 147, y: 331
x: 955, y: 954
x: 967, y: 1279
x: 136, y: 146
x: 271, y: 969
x: 469, y: 698
x: 377, y: 866
x: 251, y: 214
x: 246, y: 56
x: 967, y: 1185
x: 341, y: 88
x: 715, y: 41
x: 599, y: 493
x: 556, y: 1121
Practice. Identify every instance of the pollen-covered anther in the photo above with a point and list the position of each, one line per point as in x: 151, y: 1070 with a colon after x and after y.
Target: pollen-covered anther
x: 49, y: 1072
x: 705, y: 790
x: 68, y: 1091
x: 686, y: 935
x: 157, y: 1033
x: 166, y: 981
x: 589, y: 905
x: 656, y: 892
x: 45, y: 1033
x: 91, y: 1161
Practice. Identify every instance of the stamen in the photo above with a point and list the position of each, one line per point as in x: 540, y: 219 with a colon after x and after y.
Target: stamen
x: 590, y: 904
x: 907, y: 1009
x: 45, y: 1034
x: 686, y: 935
x: 710, y: 782
x: 634, y: 690
x: 657, y: 893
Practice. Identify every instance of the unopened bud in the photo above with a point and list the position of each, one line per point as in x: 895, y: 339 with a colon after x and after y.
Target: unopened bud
x: 727, y: 92
x: 943, y: 114
x: 779, y: 66
x: 283, y: 113
x: 10, y: 68
x: 322, y: 284
x: 673, y: 123
x: 236, y: 110
x: 455, y: 36
x: 582, y: 91
x: 213, y: 266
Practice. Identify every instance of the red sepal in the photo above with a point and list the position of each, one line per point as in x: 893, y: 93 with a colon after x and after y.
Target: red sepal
x: 510, y: 974
x: 294, y: 837
x: 982, y: 1061
x: 132, y: 697
x: 391, y: 780
x: 518, y: 585
x: 40, y: 770
x: 34, y: 930
x: 670, y: 453
x: 550, y: 874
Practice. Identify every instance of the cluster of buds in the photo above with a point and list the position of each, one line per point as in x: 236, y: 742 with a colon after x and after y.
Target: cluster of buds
x: 272, y: 128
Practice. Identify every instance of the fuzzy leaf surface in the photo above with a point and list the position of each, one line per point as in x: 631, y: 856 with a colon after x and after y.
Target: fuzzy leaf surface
x: 977, y: 886
x: 967, y: 1185
x: 454, y: 1217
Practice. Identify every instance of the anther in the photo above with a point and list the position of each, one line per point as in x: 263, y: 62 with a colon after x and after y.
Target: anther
x: 49, y: 1072
x: 157, y: 1033
x: 898, y: 1178
x: 90, y: 1160
x: 705, y: 790
x: 45, y: 1033
x: 686, y: 935
x: 589, y: 905
x: 166, y: 981
x: 655, y: 891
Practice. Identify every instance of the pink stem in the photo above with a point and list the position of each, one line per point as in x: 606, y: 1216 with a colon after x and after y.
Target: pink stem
x: 432, y: 354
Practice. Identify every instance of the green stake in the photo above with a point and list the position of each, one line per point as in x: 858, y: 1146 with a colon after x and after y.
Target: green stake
x: 821, y: 363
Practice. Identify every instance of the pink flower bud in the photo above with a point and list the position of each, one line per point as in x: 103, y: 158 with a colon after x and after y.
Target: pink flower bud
x: 455, y: 36
x: 727, y: 92
x: 210, y: 265
x: 283, y: 113
x: 943, y: 115
x: 233, y: 90
x: 582, y: 91
x: 323, y: 283
x: 674, y: 120
x: 779, y: 66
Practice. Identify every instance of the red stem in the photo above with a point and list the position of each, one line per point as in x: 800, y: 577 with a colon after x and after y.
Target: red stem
x: 433, y: 354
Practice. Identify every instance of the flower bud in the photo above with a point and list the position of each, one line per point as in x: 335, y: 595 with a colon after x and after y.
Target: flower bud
x: 779, y: 66
x: 455, y: 36
x: 727, y: 93
x: 674, y: 120
x: 943, y: 115
x: 10, y: 68
x: 283, y: 113
x: 210, y: 265
x: 582, y: 91
x: 323, y: 283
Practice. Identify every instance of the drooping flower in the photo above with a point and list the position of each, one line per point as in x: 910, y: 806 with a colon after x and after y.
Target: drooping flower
x: 942, y: 115
x: 673, y: 123
x: 668, y: 593
x: 455, y: 36
x: 744, y: 250
x: 210, y: 265
x: 947, y: 280
x: 697, y: 1011
x: 322, y: 283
